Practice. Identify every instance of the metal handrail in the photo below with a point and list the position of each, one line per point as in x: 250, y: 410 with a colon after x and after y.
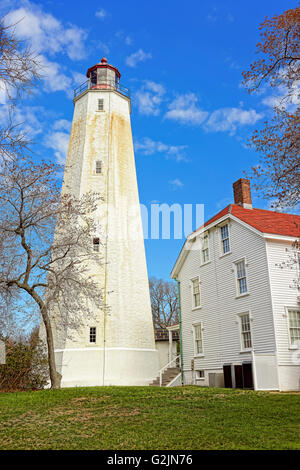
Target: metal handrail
x: 166, y: 367
x: 102, y: 85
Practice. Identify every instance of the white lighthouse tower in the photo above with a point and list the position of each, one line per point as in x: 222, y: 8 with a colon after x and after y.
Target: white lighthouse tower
x: 117, y: 347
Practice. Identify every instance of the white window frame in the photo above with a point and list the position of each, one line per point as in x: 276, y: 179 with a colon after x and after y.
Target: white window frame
x: 237, y: 285
x: 94, y: 334
x: 288, y: 309
x: 100, y: 108
x: 194, y: 307
x: 221, y: 240
x: 95, y: 167
x: 195, y: 326
x: 198, y: 374
x: 205, y: 235
x: 240, y: 315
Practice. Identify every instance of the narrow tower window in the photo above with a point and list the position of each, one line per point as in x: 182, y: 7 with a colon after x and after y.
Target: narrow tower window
x: 246, y: 331
x: 241, y: 277
x: 98, y: 167
x: 294, y: 321
x: 225, y: 239
x: 196, y: 292
x: 96, y: 244
x: 93, y: 334
x: 100, y: 105
x: 205, y: 249
x: 198, y: 339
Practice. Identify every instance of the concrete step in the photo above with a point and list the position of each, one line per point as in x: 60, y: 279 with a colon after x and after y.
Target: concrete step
x: 167, y: 377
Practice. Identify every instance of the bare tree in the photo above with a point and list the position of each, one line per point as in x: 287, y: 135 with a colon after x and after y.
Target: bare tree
x: 20, y: 70
x: 164, y: 302
x: 278, y: 143
x: 53, y: 270
x: 19, y: 66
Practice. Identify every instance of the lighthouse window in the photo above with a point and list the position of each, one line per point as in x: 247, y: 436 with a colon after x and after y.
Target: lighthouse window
x: 93, y: 334
x: 98, y: 167
x: 93, y: 78
x: 100, y: 105
x: 96, y: 244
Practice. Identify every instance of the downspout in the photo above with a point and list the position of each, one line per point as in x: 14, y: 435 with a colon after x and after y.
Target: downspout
x: 180, y: 332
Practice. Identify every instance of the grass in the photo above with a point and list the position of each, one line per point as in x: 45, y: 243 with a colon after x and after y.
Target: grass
x: 149, y: 418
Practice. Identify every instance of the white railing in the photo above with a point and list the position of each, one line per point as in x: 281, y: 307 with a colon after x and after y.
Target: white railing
x: 175, y: 361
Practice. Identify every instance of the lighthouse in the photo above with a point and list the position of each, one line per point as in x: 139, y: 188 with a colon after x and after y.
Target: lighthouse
x: 116, y: 346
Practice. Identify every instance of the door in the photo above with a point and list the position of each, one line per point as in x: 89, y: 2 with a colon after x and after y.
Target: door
x: 238, y: 374
x: 227, y: 376
x: 247, y: 375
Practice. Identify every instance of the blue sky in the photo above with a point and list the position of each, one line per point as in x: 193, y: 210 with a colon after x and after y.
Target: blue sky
x: 182, y: 62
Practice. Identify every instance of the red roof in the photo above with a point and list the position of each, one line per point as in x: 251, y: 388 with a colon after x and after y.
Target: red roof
x: 103, y: 65
x: 265, y: 221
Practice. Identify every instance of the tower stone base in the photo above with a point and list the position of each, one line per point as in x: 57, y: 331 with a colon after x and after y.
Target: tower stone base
x: 85, y: 367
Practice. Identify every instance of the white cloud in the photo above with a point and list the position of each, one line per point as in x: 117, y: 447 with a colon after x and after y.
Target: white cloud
x: 29, y: 119
x: 147, y: 146
x: 136, y: 57
x: 58, y: 141
x: 284, y: 98
x: 101, y: 13
x: 62, y: 125
x: 54, y: 77
x: 49, y: 37
x: 217, y: 15
x: 176, y: 183
x: 104, y: 48
x: 232, y: 64
x: 124, y: 37
x: 229, y: 119
x: 78, y: 78
x: 149, y: 98
x: 184, y: 109
x: 46, y: 34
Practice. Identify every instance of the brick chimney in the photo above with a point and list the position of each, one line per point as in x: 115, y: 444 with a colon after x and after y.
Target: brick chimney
x: 242, y: 193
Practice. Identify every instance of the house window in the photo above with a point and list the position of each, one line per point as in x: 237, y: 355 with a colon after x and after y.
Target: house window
x: 196, y: 292
x: 245, y: 331
x: 96, y: 244
x: 198, y: 339
x: 93, y: 334
x: 98, y: 167
x: 100, y: 105
x: 200, y: 374
x: 225, y: 239
x: 294, y: 324
x: 241, y: 277
x: 205, y: 249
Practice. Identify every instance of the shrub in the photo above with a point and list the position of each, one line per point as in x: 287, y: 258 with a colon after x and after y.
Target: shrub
x: 26, y: 365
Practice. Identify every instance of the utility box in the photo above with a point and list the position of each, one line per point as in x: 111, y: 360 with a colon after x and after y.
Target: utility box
x: 2, y: 352
x: 215, y: 379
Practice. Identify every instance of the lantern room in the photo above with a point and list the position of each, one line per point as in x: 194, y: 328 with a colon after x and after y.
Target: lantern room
x: 103, y: 75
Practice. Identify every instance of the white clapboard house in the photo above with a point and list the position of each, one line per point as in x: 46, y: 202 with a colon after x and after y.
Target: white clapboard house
x: 240, y: 305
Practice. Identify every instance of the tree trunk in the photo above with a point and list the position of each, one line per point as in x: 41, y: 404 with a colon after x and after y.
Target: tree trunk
x: 55, y: 377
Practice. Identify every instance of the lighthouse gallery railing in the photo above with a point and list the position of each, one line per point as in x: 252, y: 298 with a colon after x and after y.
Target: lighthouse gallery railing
x: 105, y: 85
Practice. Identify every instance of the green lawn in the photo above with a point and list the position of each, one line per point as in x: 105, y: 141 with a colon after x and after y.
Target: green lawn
x: 149, y: 418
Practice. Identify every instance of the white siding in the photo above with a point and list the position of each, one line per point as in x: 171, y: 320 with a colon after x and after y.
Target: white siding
x: 163, y: 352
x: 284, y: 294
x: 220, y: 306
